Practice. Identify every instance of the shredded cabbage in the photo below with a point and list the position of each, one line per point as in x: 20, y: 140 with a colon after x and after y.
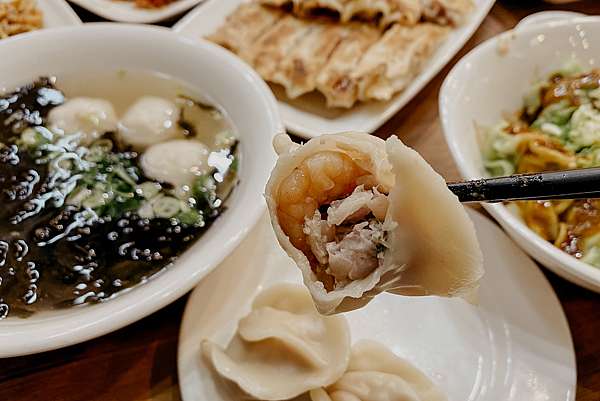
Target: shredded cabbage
x: 585, y: 127
x: 567, y: 128
x: 591, y: 254
x: 499, y: 168
x: 571, y: 68
x: 554, y: 119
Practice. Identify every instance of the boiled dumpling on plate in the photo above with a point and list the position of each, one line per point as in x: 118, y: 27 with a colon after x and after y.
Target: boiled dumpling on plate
x: 376, y: 374
x: 360, y: 215
x: 283, y: 347
x: 88, y: 117
x: 150, y: 120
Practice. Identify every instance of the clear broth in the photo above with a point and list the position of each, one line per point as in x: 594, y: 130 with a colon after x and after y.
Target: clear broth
x: 101, y: 259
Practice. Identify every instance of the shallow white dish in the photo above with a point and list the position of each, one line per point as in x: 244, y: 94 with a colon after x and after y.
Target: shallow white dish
x: 126, y: 11
x: 515, y: 346
x: 308, y: 116
x: 57, y: 13
x: 225, y: 81
x: 488, y: 82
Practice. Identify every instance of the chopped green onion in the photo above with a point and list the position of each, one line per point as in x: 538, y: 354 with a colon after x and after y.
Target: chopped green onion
x: 148, y: 189
x: 204, y: 190
x: 191, y: 217
x: 166, y: 206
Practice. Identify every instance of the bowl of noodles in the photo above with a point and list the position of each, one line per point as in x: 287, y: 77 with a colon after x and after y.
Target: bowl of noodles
x: 528, y: 101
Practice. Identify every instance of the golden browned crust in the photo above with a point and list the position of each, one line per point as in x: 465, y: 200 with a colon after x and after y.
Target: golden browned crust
x: 298, y: 71
x: 391, y: 64
x: 335, y: 80
x: 346, y: 62
x: 244, y: 26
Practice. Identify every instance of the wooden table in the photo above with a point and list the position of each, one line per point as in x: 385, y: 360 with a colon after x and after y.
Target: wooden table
x: 139, y: 361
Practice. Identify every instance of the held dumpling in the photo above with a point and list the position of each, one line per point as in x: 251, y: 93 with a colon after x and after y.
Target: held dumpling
x: 360, y: 216
x: 283, y: 348
x: 376, y: 374
x: 88, y: 117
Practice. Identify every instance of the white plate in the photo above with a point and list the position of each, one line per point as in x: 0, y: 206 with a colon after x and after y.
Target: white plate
x: 489, y: 82
x: 214, y: 73
x: 308, y: 116
x: 57, y: 13
x: 515, y: 346
x: 126, y: 11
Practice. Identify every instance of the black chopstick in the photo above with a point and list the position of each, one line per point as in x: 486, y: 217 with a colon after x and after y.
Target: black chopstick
x: 568, y: 184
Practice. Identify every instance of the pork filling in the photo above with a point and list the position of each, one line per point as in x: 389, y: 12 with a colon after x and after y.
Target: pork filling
x: 349, y: 239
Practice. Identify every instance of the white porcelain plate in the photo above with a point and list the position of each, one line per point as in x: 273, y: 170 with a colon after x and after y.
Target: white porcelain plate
x: 515, y: 346
x: 57, y: 13
x: 308, y: 116
x: 126, y: 10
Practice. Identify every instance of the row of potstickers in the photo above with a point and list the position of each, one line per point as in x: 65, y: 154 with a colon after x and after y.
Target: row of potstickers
x: 346, y: 61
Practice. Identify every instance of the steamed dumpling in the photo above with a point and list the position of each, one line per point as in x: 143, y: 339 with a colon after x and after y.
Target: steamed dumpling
x: 283, y: 348
x: 176, y: 162
x: 148, y: 121
x: 89, y: 117
x: 360, y: 215
x: 376, y: 374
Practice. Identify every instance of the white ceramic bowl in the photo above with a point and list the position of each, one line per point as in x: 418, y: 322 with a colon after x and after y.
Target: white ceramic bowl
x: 214, y: 72
x: 491, y: 80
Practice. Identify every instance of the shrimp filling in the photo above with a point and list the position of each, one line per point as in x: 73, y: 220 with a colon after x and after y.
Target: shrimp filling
x: 331, y: 210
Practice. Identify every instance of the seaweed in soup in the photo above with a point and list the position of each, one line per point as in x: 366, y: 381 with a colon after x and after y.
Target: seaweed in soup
x: 72, y: 229
x: 27, y: 106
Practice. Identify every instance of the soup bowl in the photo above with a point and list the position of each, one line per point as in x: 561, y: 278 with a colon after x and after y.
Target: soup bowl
x: 490, y: 82
x: 206, y: 68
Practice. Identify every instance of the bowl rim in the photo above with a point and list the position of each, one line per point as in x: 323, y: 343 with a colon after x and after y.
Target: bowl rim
x: 77, y: 324
x: 553, y: 258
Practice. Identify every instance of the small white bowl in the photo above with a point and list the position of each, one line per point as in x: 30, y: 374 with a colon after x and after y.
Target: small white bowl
x: 491, y: 80
x: 215, y: 73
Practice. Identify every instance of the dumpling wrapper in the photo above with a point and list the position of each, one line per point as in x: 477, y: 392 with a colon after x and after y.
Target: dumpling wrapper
x: 283, y: 348
x: 447, y: 12
x: 376, y: 374
x: 244, y: 26
x: 335, y: 81
x: 275, y: 44
x: 299, y: 69
x: 386, y: 12
x: 310, y: 8
x: 433, y: 249
x: 391, y: 64
x: 405, y: 12
x: 276, y: 3
x: 365, y: 9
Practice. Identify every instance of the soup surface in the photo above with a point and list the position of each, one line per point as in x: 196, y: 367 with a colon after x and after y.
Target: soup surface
x: 105, y: 179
